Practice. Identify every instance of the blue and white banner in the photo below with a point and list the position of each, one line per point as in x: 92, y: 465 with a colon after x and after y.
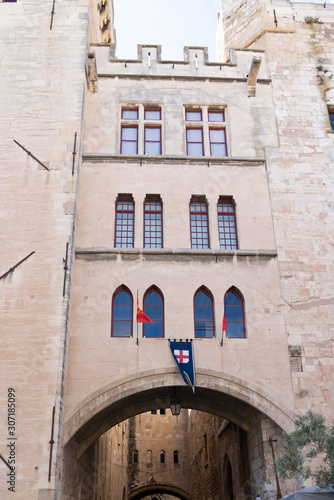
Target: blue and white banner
x: 183, y: 353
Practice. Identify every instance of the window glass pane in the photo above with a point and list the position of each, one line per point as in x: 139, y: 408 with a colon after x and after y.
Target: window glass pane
x: 129, y: 148
x: 129, y: 133
x: 122, y: 311
x: 204, y: 329
x: 217, y: 135
x: 232, y: 300
x: 203, y: 313
x: 122, y: 298
x: 122, y: 329
x: 235, y: 330
x: 194, y: 135
x: 216, y: 116
x: 194, y: 115
x: 331, y: 118
x: 152, y: 148
x: 202, y: 299
x: 130, y: 114
x: 152, y: 134
x: 195, y: 149
x: 154, y: 330
x: 152, y: 114
x: 234, y: 313
x: 218, y: 150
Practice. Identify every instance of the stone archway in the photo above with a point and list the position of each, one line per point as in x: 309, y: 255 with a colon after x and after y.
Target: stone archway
x: 168, y: 489
x: 238, y: 401
x: 221, y: 394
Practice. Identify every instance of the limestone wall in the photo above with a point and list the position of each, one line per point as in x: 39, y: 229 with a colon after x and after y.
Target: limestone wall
x: 301, y: 65
x: 42, y: 88
x: 177, y: 270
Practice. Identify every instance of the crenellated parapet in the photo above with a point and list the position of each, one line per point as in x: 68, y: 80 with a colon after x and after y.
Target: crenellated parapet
x: 196, y: 65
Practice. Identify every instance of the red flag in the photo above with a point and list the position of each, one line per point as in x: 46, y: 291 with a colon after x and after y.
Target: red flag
x: 224, y: 323
x: 141, y: 316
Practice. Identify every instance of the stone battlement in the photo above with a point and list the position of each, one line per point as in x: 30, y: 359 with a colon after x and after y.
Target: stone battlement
x: 195, y: 64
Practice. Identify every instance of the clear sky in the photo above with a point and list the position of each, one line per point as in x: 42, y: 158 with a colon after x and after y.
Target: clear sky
x: 170, y: 23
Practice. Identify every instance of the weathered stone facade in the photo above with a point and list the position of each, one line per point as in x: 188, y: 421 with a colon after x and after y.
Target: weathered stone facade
x: 58, y: 355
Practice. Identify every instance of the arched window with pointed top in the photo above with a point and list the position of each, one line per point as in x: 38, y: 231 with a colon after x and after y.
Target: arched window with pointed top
x: 149, y: 457
x: 228, y: 478
x: 162, y: 457
x: 203, y: 314
x: 122, y: 303
x: 154, y: 308
x: 234, y: 314
x: 135, y: 457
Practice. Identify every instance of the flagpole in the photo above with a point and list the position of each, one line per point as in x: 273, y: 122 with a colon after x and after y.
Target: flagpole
x: 137, y: 317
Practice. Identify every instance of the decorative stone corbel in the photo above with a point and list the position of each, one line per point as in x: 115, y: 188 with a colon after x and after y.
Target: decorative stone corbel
x: 92, y: 72
x: 252, y: 77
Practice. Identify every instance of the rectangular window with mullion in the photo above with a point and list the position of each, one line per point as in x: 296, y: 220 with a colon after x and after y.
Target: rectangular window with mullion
x: 124, y: 223
x: 227, y: 224
x: 152, y: 144
x: 195, y: 145
x: 153, y: 223
x: 199, y: 224
x: 129, y: 140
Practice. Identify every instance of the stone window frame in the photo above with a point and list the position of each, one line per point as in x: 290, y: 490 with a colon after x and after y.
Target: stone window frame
x: 226, y: 207
x: 198, y: 215
x: 123, y: 227
x: 162, y: 457
x: 207, y: 292
x: 142, y: 123
x: 135, y: 457
x: 207, y: 124
x: 129, y: 319
x: 149, y: 458
x: 241, y: 299
x: 150, y: 228
x: 125, y: 142
x: 155, y: 289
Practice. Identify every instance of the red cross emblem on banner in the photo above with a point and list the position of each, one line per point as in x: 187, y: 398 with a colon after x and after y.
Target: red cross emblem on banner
x: 182, y: 356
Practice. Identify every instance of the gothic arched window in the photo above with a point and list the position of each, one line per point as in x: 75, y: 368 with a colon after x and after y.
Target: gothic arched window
x: 162, y: 457
x: 122, y: 313
x: 154, y: 308
x: 203, y: 312
x: 234, y: 314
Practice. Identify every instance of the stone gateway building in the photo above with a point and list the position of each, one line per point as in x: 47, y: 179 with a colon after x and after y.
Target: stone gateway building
x: 201, y: 192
